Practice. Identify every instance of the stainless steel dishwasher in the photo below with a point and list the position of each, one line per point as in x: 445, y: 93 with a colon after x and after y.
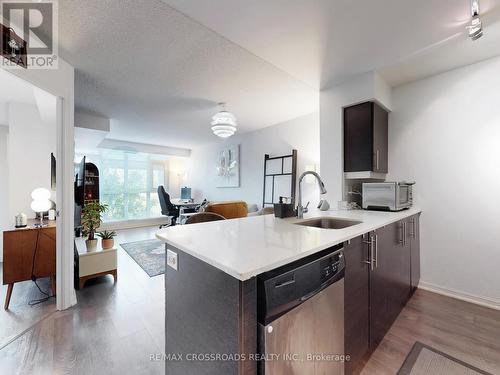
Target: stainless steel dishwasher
x: 301, y: 316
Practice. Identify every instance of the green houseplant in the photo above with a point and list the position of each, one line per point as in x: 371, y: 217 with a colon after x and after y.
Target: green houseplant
x: 107, y: 238
x: 91, y: 220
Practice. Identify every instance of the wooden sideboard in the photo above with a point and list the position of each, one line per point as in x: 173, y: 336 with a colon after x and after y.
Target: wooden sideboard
x: 29, y: 252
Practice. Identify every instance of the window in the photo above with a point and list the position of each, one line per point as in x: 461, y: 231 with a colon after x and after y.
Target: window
x: 129, y: 183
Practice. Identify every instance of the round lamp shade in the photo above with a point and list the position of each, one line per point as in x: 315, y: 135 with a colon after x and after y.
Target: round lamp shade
x: 41, y: 205
x: 40, y: 194
x: 41, y: 200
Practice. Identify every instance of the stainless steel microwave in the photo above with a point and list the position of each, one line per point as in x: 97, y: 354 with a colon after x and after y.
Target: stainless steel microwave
x: 387, y: 196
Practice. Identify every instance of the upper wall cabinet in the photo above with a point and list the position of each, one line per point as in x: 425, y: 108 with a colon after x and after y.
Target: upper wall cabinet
x: 365, y: 141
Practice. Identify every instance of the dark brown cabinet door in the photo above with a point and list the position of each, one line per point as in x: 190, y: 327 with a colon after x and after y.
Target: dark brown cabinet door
x: 390, y: 280
x: 402, y: 259
x: 365, y: 138
x: 380, y: 281
x: 380, y: 139
x: 356, y: 304
x: 358, y: 137
x: 414, y: 234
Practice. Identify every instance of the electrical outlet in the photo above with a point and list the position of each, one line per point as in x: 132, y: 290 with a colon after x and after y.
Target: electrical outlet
x: 172, y: 260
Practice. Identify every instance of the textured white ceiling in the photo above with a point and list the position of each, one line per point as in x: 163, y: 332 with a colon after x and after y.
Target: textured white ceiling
x: 324, y: 41
x: 157, y: 68
x: 158, y: 74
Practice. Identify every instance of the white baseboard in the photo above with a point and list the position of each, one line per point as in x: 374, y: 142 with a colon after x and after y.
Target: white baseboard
x: 130, y: 224
x: 491, y: 303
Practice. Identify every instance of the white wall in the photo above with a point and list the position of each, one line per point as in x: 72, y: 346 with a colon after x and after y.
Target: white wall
x: 4, y: 187
x: 4, y: 119
x: 445, y: 134
x: 31, y: 141
x: 367, y: 86
x: 176, y: 177
x: 26, y: 142
x: 301, y: 134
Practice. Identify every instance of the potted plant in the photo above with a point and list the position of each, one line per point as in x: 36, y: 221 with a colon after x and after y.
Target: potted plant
x: 107, y: 238
x: 91, y: 220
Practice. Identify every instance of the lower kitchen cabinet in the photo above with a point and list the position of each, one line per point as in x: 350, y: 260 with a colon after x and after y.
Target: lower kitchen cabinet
x: 390, y: 279
x: 414, y: 234
x: 385, y: 280
x: 356, y: 304
x: 382, y: 269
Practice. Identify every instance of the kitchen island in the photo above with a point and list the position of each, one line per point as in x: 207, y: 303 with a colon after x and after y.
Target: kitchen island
x: 211, y: 287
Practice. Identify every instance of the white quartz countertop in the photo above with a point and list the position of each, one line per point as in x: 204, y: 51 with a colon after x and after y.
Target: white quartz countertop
x: 247, y: 247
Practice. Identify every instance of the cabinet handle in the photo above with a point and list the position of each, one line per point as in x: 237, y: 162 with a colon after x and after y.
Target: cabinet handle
x: 370, y: 253
x: 413, y: 233
x: 376, y: 251
x: 402, y: 233
x: 405, y: 233
x: 376, y: 156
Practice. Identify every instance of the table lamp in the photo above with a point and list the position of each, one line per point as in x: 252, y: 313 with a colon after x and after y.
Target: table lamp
x: 41, y: 203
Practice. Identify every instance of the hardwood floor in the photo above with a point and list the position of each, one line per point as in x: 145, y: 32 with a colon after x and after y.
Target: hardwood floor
x: 115, y: 329
x: 463, y: 330
x: 20, y: 316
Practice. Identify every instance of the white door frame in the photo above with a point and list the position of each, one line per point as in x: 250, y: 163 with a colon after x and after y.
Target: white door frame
x: 65, y: 292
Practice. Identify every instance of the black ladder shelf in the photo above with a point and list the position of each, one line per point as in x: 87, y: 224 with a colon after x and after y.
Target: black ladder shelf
x: 292, y: 173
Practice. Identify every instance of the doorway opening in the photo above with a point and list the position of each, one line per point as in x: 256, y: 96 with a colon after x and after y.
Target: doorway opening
x: 28, y: 205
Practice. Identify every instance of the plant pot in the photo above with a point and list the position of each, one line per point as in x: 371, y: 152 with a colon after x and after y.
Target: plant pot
x: 91, y: 245
x: 108, y: 244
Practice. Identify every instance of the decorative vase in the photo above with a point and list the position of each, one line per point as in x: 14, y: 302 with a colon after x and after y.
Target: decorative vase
x: 91, y: 245
x: 21, y: 220
x: 108, y: 244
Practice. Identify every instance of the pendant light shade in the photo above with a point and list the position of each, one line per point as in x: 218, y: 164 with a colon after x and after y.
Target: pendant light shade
x: 224, y: 123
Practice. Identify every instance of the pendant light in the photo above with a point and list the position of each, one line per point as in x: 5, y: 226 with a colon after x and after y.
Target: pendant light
x: 223, y: 123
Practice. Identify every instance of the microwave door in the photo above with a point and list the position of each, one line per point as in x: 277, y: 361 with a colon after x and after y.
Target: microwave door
x: 380, y: 196
x: 403, y: 197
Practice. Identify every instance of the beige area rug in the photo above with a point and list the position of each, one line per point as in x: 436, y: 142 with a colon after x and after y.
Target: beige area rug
x: 424, y: 360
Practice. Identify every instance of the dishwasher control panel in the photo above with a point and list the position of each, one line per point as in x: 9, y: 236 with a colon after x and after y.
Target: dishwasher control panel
x: 331, y: 266
x: 284, y: 288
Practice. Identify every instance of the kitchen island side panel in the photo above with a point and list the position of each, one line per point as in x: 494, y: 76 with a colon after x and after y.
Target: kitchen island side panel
x: 209, y: 313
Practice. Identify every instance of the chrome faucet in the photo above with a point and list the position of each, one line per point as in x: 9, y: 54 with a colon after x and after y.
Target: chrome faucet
x: 301, y: 209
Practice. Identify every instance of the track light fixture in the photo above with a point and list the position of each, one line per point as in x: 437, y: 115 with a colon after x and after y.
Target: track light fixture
x: 475, y: 27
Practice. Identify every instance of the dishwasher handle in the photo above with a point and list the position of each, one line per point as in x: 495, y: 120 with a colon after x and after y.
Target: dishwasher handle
x: 281, y: 284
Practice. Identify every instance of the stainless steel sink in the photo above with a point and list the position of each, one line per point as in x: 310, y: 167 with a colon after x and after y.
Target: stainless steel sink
x: 328, y: 223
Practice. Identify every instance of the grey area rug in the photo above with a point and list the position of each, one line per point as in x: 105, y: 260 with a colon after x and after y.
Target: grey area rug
x: 425, y: 360
x: 148, y: 254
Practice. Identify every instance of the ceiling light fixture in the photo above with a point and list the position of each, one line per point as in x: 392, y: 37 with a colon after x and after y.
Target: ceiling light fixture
x: 475, y: 27
x: 223, y: 123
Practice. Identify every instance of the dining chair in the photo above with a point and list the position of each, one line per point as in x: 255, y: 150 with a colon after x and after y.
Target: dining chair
x: 204, y: 217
